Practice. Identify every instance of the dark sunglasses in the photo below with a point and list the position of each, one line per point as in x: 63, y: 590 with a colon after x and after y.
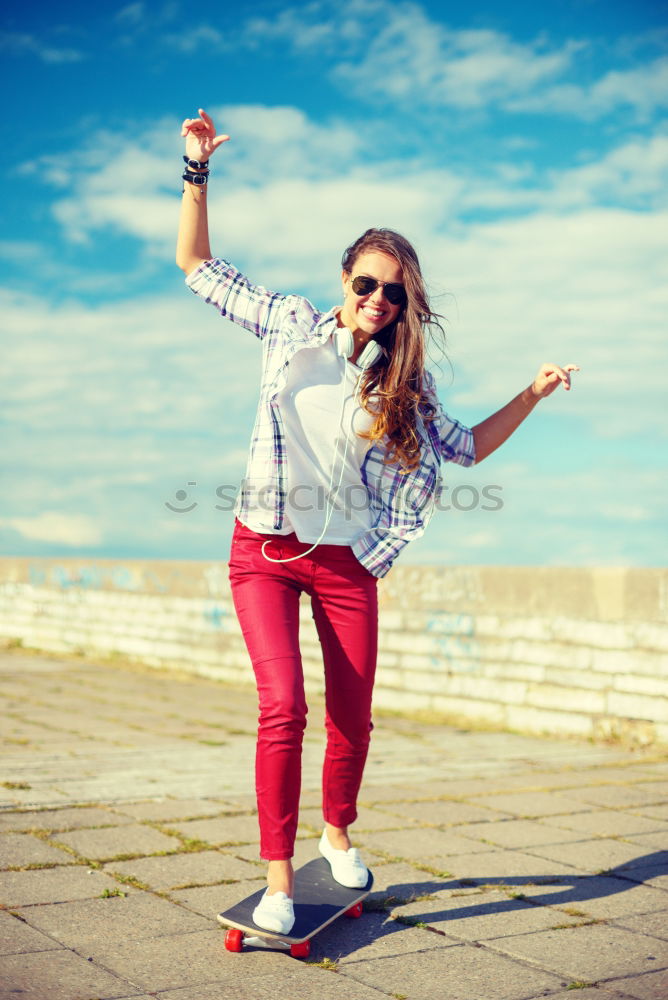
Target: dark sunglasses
x: 394, y: 293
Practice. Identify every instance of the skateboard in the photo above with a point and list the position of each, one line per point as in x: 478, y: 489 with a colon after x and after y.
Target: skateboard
x: 319, y: 900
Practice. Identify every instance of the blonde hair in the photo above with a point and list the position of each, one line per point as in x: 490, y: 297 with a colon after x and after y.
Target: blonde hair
x: 396, y: 381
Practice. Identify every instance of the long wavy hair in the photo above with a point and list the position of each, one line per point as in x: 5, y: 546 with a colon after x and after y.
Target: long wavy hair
x: 393, y: 389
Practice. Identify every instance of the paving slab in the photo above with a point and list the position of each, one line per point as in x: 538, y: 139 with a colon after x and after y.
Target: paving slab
x: 599, y: 896
x: 607, y: 823
x: 53, y: 885
x: 652, y: 871
x: 20, y: 850
x: 211, y: 900
x: 221, y: 831
x: 590, y: 953
x: 306, y: 848
x: 637, y: 795
x: 654, y: 924
x: 303, y: 983
x: 374, y: 935
x: 657, y: 768
x: 60, y: 819
x: 386, y: 795
x: 368, y: 820
x: 165, y: 810
x: 652, y: 811
x: 179, y: 870
x: 532, y: 805
x: 497, y: 866
x: 477, y: 918
x: 517, y: 833
x: 17, y: 937
x: 112, y: 842
x: 623, y: 773
x: 561, y: 779
x: 461, y: 972
x: 178, y: 961
x: 86, y: 924
x: 651, y: 986
x: 428, y: 847
x: 657, y: 841
x: 402, y: 882
x: 593, y: 856
x: 590, y: 993
x: 58, y: 975
x: 439, y: 813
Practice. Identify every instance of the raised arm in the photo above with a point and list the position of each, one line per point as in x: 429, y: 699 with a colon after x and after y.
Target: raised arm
x: 493, y: 431
x: 192, y: 245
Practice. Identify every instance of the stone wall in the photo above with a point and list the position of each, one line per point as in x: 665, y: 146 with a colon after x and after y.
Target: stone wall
x: 562, y: 651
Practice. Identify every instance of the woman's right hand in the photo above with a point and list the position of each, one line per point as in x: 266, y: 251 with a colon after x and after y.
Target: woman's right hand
x: 200, y: 136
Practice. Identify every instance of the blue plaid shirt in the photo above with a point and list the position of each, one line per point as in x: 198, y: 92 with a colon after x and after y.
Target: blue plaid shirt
x: 401, y: 503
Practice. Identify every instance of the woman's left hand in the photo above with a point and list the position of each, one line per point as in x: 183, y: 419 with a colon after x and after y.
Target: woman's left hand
x: 549, y: 377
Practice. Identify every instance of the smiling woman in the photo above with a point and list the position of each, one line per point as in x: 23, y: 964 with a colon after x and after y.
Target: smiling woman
x: 347, y: 408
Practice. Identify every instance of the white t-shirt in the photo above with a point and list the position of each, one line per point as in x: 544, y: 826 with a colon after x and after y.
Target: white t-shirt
x: 315, y: 431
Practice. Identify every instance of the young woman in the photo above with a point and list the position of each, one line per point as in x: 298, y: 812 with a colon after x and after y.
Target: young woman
x: 342, y: 474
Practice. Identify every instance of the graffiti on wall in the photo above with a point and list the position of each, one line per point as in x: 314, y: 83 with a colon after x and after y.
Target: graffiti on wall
x: 455, y: 643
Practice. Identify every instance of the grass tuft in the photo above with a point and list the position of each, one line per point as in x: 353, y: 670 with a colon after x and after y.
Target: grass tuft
x: 326, y: 963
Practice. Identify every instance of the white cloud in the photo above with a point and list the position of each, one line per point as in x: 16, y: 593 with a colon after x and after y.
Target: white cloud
x: 192, y: 39
x: 136, y: 365
x: 54, y: 526
x: 274, y: 142
x: 586, y: 288
x: 109, y: 410
x: 557, y: 511
x: 141, y: 24
x: 644, y: 89
x: 126, y: 190
x: 132, y: 14
x: 282, y: 171
x: 412, y: 58
x: 399, y: 52
x: 20, y: 43
x: 310, y: 26
x: 19, y: 250
x: 633, y: 174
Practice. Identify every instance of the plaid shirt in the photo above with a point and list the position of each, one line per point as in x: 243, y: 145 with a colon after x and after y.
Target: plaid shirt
x: 401, y: 503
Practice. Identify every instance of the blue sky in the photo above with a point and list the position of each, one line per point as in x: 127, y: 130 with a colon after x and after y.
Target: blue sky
x: 524, y: 150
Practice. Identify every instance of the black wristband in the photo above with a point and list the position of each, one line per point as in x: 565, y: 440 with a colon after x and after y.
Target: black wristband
x: 199, y: 179
x: 195, y: 164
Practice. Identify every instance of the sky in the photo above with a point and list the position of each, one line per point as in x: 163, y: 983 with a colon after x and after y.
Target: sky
x: 523, y: 149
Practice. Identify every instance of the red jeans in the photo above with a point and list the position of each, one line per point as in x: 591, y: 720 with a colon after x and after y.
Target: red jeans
x: 345, y: 610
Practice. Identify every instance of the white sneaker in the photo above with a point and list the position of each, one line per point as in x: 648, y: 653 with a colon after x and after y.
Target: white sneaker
x: 347, y: 867
x: 275, y: 913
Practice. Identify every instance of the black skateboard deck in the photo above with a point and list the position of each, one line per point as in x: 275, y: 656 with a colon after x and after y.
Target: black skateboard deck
x: 319, y: 900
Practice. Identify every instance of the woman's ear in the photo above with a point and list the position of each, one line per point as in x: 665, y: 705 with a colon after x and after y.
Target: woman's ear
x: 345, y: 279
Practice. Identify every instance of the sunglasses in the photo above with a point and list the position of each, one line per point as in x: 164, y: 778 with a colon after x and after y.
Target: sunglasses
x: 394, y: 293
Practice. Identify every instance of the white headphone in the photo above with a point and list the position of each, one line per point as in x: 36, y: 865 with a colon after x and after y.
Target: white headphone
x: 344, y: 345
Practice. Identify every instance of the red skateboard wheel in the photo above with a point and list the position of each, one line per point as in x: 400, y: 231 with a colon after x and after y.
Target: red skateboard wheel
x: 354, y: 911
x: 234, y: 939
x: 300, y: 950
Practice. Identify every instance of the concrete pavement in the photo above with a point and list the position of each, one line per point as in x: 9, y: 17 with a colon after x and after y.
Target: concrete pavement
x: 507, y: 867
